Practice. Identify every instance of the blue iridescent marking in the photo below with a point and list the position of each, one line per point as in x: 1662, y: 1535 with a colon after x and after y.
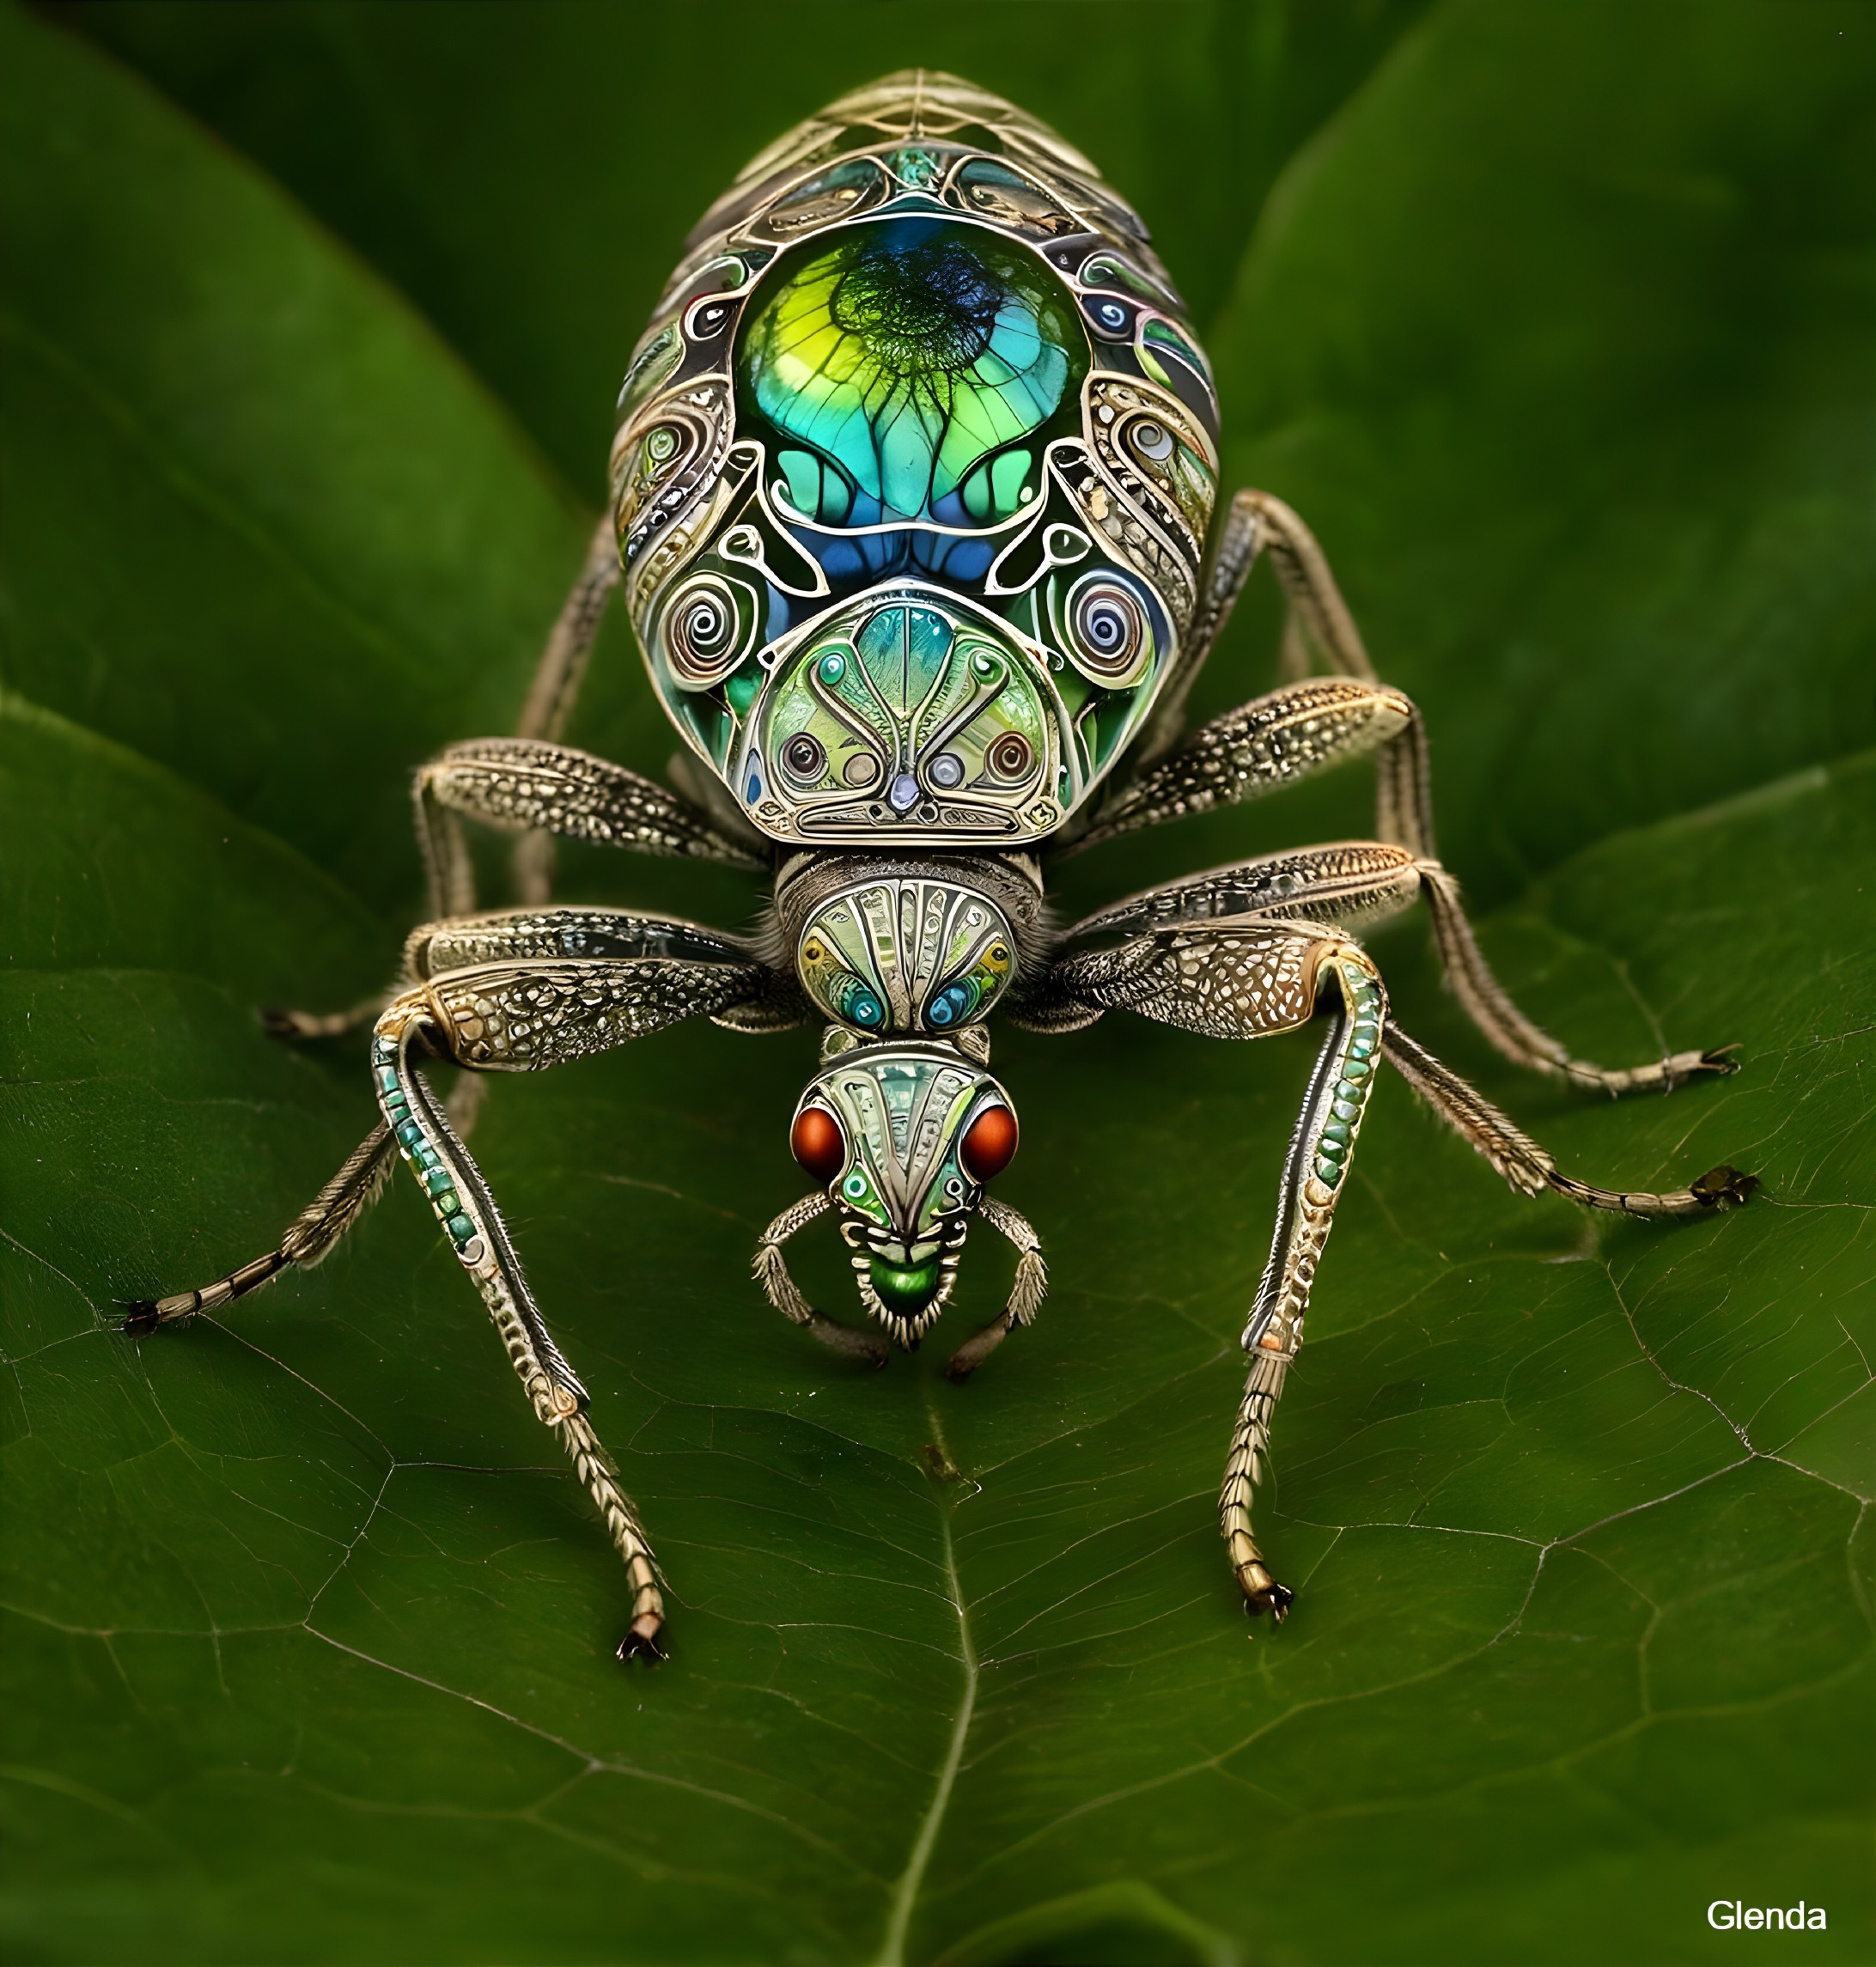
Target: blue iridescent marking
x: 950, y: 1004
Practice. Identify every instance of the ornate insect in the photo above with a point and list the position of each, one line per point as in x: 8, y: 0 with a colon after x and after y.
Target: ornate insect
x: 914, y: 472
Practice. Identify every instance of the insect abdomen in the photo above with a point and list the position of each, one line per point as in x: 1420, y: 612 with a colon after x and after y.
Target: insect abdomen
x: 913, y: 478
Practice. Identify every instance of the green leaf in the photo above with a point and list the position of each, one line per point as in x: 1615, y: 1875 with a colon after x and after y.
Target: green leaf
x: 535, y: 221
x: 308, y: 1628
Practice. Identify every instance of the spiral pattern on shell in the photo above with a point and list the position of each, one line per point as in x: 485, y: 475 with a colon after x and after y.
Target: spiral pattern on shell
x: 708, y: 628
x: 1011, y: 756
x: 1109, y: 632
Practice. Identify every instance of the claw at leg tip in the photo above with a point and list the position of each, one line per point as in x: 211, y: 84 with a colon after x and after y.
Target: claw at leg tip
x: 1262, y: 1593
x: 643, y: 1639
x: 1726, y: 1187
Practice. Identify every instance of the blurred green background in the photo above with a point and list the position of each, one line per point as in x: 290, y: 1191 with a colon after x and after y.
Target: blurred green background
x: 1556, y: 321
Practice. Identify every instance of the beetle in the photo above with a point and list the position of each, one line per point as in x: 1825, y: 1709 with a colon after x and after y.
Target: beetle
x: 914, y: 472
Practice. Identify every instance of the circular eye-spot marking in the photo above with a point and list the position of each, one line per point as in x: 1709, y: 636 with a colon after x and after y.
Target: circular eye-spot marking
x: 813, y: 950
x: 709, y: 320
x: 1108, y: 628
x: 864, y: 1007
x: 804, y: 757
x: 1011, y: 756
x: 1110, y: 315
x: 946, y: 770
x: 951, y: 1006
x: 662, y: 444
x: 861, y: 771
x: 989, y: 1145
x: 703, y: 631
x: 833, y: 667
x: 817, y: 1143
x: 742, y: 543
x: 1152, y: 440
x: 855, y: 1187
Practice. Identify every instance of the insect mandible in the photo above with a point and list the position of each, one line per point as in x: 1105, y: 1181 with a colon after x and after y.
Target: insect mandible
x: 915, y: 469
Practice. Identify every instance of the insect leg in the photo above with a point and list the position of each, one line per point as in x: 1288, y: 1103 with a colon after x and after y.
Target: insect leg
x: 308, y: 1025
x: 1027, y: 1294
x: 466, y: 1210
x: 1249, y: 977
x: 562, y: 930
x: 1509, y: 1032
x: 309, y: 1239
x: 1312, y: 1173
x: 520, y: 784
x: 1362, y: 882
x: 1527, y: 1166
x: 1403, y: 798
x: 518, y: 1014
x: 458, y: 942
x: 1290, y: 734
x: 1303, y: 570
x: 1405, y: 803
x: 550, y: 701
x: 1224, y: 762
x: 557, y: 679
x: 771, y: 1272
x: 1257, y: 522
x: 563, y: 664
x: 1346, y: 882
x: 1239, y: 539
x: 770, y: 1000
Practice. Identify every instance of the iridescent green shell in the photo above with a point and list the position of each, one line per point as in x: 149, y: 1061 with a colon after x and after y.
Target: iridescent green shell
x: 914, y: 471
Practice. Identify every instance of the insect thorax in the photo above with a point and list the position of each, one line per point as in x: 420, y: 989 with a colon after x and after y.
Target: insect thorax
x: 913, y: 475
x: 909, y: 947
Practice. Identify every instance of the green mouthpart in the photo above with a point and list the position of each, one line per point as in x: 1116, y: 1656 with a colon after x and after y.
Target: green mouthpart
x: 904, y: 1293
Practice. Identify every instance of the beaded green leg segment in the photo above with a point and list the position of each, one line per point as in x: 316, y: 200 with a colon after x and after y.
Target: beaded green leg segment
x: 1313, y: 1176
x: 463, y: 1206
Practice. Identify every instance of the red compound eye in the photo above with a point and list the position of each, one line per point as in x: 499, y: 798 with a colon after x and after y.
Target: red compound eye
x: 817, y: 1143
x: 989, y: 1145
